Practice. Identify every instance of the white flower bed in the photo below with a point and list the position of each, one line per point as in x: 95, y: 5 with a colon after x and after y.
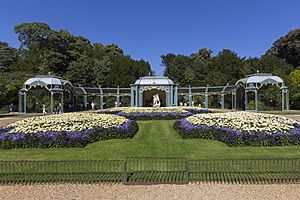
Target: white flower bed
x: 244, y: 121
x: 131, y: 110
x: 66, y: 122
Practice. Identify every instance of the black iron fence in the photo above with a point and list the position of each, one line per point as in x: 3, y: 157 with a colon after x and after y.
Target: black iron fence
x: 152, y: 170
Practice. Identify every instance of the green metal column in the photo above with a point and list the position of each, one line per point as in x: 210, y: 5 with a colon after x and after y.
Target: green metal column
x: 140, y: 98
x: 171, y: 96
x: 51, y: 102
x: 176, y: 96
x: 287, y: 100
x: 85, y: 102
x: 101, y: 102
x: 256, y: 100
x: 20, y: 102
x: 167, y: 98
x: 190, y: 96
x: 62, y: 102
x: 232, y: 100
x: 118, y: 96
x: 24, y: 102
x: 246, y: 101
x: 136, y: 96
x: 222, y: 101
x: 132, y: 97
x: 282, y: 99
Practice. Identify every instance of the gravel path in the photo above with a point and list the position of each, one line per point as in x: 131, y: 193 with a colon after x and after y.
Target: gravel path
x: 191, y: 191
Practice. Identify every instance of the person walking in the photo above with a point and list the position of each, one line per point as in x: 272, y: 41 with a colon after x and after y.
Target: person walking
x: 11, y: 108
x: 44, y: 109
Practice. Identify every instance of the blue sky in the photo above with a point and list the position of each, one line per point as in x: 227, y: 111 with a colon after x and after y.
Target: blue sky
x: 148, y: 29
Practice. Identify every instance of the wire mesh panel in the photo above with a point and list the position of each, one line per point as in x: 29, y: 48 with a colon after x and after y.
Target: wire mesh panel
x: 156, y: 170
x: 245, y: 171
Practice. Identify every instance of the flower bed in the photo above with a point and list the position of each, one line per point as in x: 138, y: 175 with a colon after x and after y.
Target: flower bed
x: 66, y: 130
x: 241, y: 129
x: 150, y: 113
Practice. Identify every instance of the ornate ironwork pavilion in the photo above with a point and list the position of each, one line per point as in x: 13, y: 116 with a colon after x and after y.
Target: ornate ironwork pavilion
x: 145, y: 87
x: 53, y: 84
x: 142, y: 91
x: 253, y: 82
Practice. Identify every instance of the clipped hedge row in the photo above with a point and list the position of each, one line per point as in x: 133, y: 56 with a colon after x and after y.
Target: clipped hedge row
x: 65, y: 139
x: 238, y: 138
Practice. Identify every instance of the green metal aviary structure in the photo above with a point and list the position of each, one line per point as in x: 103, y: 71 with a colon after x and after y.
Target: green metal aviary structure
x: 141, y: 92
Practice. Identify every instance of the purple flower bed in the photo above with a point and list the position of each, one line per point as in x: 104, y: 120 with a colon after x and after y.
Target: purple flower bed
x: 238, y: 138
x: 66, y: 139
x: 157, y: 116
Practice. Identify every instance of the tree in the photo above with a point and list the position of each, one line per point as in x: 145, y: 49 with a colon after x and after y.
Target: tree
x: 8, y: 57
x: 288, y: 48
x: 226, y: 67
x: 81, y: 72
x: 33, y: 34
x: 46, y: 50
x: 176, y: 66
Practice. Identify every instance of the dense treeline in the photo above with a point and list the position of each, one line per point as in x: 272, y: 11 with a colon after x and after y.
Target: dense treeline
x: 203, y: 68
x: 44, y: 50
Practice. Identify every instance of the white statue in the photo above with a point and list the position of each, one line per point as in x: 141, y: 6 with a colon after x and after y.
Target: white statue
x: 156, y: 101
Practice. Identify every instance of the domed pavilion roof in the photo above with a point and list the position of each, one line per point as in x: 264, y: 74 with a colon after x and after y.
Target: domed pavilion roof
x: 43, y: 80
x: 154, y: 80
x: 261, y: 78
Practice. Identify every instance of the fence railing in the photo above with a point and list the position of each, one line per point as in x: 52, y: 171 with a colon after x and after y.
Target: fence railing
x: 152, y: 170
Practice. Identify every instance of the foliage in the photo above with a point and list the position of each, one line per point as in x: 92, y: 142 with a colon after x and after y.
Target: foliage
x: 287, y: 47
x: 251, y: 105
x: 44, y: 50
x: 294, y: 89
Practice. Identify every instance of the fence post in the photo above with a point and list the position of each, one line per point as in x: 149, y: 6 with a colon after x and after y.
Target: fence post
x: 125, y: 171
x: 187, y: 174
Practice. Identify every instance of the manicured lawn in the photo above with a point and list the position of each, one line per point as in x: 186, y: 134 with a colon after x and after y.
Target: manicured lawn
x: 155, y: 138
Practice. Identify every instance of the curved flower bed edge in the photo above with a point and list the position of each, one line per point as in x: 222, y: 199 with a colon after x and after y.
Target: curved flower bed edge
x: 237, y: 138
x: 158, y: 115
x: 67, y: 138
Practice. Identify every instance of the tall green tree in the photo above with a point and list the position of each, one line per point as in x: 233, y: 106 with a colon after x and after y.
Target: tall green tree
x: 8, y: 57
x: 288, y: 48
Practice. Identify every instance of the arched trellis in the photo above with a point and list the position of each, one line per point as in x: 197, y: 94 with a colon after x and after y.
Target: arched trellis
x: 53, y: 84
x: 207, y: 91
x: 101, y: 93
x: 253, y: 82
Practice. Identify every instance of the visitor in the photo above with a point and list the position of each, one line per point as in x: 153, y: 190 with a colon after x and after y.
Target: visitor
x: 59, y: 109
x: 193, y: 103
x: 185, y: 104
x: 199, y: 105
x: 93, y: 105
x: 181, y: 104
x: 44, y: 109
x: 11, y: 108
x: 55, y: 108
